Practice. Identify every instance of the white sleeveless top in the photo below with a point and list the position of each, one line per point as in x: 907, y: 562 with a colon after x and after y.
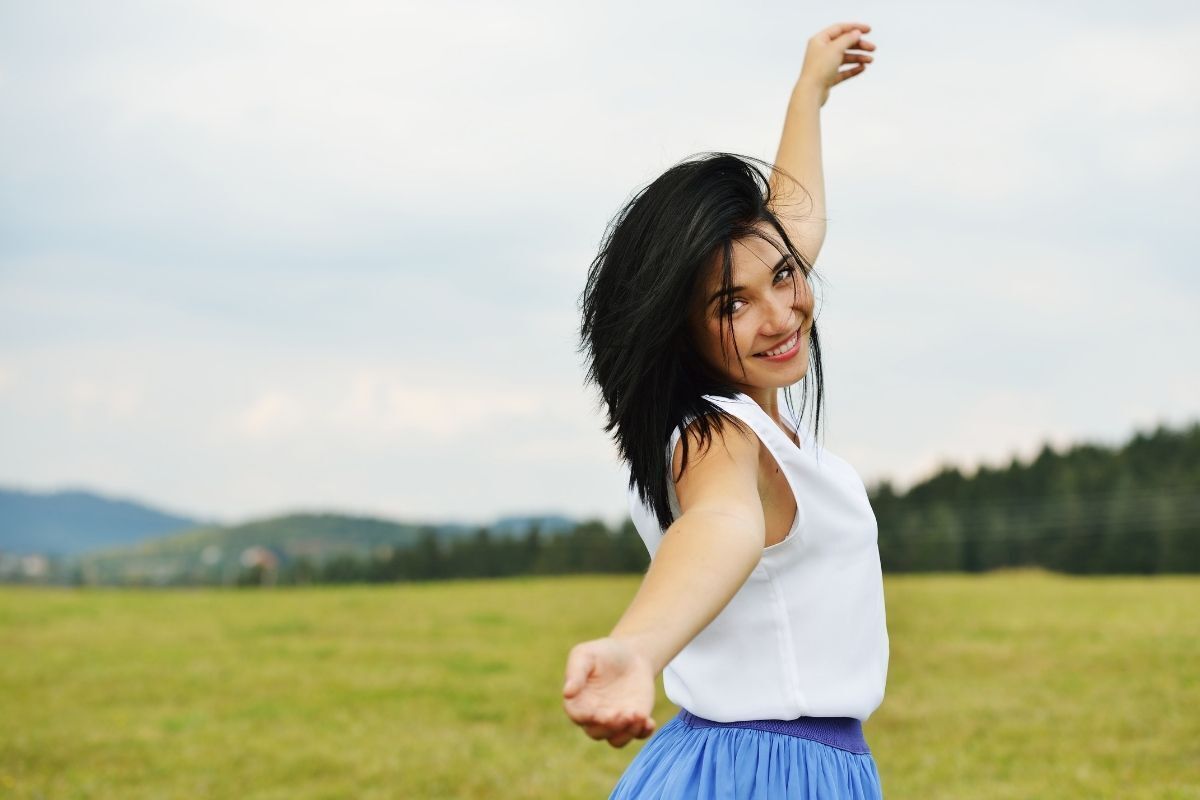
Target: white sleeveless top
x: 806, y: 634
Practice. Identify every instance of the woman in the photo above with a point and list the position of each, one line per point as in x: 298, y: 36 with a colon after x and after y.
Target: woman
x: 763, y: 602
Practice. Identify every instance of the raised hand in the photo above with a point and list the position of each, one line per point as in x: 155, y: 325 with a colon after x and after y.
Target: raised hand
x: 828, y: 50
x: 609, y: 691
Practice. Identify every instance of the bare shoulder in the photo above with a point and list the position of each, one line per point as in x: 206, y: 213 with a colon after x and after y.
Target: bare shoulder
x: 721, y: 476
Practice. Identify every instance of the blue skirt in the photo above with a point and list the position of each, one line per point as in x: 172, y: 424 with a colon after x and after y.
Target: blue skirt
x: 817, y: 758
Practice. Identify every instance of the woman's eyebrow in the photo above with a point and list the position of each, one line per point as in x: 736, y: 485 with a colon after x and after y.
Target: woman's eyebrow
x: 722, y: 292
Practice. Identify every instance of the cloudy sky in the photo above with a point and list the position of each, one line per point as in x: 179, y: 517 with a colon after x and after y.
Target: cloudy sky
x: 265, y: 257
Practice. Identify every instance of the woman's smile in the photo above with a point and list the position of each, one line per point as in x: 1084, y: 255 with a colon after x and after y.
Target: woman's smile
x: 784, y: 351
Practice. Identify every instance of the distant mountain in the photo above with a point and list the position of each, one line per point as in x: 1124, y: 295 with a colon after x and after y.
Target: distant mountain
x: 216, y: 550
x: 114, y: 539
x: 72, y: 521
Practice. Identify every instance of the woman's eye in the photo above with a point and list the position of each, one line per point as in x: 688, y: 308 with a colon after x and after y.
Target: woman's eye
x: 789, y: 271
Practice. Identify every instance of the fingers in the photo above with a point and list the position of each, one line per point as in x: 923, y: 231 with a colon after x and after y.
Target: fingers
x: 599, y: 732
x: 850, y: 35
x: 580, y: 663
x: 849, y: 73
x: 839, y: 28
x: 852, y: 40
x: 619, y: 727
x: 645, y: 729
x: 604, y: 724
x: 639, y: 729
x: 621, y: 739
x: 625, y: 736
x: 842, y: 28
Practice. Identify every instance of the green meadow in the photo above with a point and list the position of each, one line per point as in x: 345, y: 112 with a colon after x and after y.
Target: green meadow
x: 1018, y: 684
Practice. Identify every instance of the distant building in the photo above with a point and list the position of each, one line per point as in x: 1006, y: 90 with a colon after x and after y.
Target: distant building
x: 259, y: 556
x: 34, y: 566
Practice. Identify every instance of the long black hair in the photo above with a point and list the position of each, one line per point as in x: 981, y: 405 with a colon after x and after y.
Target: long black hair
x: 635, y: 304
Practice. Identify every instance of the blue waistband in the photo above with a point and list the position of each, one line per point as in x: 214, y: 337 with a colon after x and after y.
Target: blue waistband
x: 842, y: 732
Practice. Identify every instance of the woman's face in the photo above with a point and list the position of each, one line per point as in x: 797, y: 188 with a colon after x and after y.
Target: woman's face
x: 771, y: 306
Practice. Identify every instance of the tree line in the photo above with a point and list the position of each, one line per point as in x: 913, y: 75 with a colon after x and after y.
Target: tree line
x: 588, y: 547
x: 1088, y: 510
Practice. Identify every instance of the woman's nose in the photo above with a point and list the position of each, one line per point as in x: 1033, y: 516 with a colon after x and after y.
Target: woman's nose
x: 783, y: 318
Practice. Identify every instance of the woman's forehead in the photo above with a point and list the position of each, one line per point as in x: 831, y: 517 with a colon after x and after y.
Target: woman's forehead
x: 750, y: 256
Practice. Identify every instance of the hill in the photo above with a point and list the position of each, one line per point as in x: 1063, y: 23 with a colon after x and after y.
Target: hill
x: 68, y: 522
x: 218, y: 553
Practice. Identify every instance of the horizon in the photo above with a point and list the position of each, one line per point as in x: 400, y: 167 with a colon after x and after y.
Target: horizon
x: 613, y: 522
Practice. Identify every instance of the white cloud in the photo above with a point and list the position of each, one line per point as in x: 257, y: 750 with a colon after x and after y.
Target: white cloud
x: 393, y: 403
x: 273, y: 414
x: 92, y: 402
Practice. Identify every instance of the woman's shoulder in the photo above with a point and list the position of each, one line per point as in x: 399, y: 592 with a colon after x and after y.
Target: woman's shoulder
x: 724, y: 442
x: 712, y: 425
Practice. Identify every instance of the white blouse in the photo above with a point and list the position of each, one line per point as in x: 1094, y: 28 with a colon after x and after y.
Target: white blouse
x: 806, y: 634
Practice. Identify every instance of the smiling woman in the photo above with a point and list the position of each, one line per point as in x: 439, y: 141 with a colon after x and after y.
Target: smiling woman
x: 763, y: 603
x: 672, y: 314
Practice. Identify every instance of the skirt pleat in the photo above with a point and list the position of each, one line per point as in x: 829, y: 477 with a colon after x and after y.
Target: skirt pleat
x: 680, y: 760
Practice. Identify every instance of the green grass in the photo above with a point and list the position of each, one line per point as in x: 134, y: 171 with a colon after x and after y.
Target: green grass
x: 1009, y: 685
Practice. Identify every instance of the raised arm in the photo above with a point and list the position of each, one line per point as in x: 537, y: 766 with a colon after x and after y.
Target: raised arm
x: 802, y: 211
x: 704, y: 558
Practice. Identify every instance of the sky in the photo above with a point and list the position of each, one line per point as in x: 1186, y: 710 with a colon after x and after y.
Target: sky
x: 259, y: 258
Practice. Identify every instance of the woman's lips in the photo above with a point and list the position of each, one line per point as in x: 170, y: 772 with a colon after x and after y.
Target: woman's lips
x: 794, y: 339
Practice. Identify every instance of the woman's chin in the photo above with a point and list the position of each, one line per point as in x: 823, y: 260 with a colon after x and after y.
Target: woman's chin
x: 779, y: 376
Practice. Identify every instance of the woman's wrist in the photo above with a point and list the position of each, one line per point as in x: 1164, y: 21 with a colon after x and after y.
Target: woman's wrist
x: 806, y: 93
x: 642, y: 647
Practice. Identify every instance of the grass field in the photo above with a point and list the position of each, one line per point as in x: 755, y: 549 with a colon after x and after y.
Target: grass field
x: 1009, y: 685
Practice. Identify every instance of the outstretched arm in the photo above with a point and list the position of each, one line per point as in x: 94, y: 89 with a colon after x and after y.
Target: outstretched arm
x: 802, y: 208
x: 702, y: 561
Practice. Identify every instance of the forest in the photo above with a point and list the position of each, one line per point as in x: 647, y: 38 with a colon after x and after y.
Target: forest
x: 1131, y: 510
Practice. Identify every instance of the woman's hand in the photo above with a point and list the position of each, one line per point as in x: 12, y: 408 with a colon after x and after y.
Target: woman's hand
x: 609, y: 691
x: 828, y: 50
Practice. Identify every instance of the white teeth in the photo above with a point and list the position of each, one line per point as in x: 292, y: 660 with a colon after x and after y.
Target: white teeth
x: 783, y: 348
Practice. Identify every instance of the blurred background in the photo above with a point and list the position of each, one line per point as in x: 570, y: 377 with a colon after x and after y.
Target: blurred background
x: 288, y: 295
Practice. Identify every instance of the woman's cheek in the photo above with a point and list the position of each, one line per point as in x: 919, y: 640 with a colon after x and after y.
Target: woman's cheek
x: 745, y: 343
